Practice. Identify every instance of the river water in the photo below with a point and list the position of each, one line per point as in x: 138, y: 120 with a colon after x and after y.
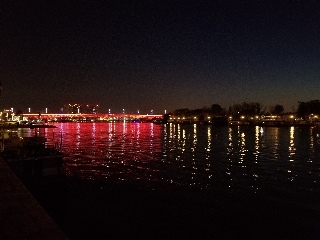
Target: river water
x: 219, y: 163
x: 198, y: 156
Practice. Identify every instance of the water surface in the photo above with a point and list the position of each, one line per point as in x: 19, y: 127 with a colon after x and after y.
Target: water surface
x: 153, y: 181
x: 197, y: 156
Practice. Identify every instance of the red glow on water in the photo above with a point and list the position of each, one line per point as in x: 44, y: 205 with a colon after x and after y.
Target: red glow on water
x: 103, y: 150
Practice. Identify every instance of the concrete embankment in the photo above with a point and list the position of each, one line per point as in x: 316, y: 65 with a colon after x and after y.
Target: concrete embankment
x: 21, y: 216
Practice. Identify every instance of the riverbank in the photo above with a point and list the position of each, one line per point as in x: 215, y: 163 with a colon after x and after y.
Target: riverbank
x: 21, y: 216
x: 104, y: 210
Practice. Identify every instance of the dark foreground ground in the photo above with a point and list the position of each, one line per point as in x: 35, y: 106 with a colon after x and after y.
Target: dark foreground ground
x: 93, y: 210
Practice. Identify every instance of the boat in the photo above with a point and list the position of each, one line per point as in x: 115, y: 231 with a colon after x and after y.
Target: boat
x: 30, y: 154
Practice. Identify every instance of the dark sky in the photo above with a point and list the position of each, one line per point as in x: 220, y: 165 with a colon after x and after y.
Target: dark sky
x: 158, y: 54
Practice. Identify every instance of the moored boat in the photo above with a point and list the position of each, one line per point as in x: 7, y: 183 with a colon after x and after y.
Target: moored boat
x: 31, y: 154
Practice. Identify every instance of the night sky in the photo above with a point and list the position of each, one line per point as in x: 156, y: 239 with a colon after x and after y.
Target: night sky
x: 158, y: 54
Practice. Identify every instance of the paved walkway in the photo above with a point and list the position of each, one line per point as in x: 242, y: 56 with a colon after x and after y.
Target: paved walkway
x: 21, y: 216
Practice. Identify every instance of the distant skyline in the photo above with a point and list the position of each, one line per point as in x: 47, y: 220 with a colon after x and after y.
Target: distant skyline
x: 159, y: 55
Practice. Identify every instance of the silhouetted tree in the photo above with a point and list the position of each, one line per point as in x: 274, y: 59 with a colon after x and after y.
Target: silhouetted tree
x: 246, y: 109
x: 216, y: 110
x: 181, y: 112
x: 307, y: 108
x: 277, y: 109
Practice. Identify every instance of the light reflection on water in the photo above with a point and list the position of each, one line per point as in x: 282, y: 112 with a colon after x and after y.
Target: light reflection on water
x: 202, y: 156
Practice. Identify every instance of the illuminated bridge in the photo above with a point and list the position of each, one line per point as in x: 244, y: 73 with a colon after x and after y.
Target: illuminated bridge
x: 85, y: 116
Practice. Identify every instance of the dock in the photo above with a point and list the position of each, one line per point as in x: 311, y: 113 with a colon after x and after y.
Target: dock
x: 21, y: 216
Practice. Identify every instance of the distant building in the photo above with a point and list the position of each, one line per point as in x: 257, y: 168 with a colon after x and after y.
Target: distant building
x: 307, y: 108
x: 73, y: 108
x: 79, y: 109
x: 92, y: 109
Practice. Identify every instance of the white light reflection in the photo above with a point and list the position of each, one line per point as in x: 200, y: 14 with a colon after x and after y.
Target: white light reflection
x: 229, y: 151
x: 138, y: 131
x: 152, y: 130
x: 183, y: 147
x: 78, y: 136
x: 261, y: 130
x: 168, y: 130
x: 171, y: 133
x: 291, y: 145
x: 312, y: 142
x: 194, y: 142
x: 276, y: 143
x: 93, y: 133
x: 242, y: 144
x: 178, y: 132
x: 93, y: 141
x: 257, y: 143
x: 124, y: 138
x: 207, y: 168
x: 110, y: 139
x: 61, y: 133
x: 165, y: 137
x: 151, y: 138
x: 137, y: 141
x: 179, y: 142
x: 124, y: 128
x: 110, y: 130
x: 209, y: 140
x: 193, y: 149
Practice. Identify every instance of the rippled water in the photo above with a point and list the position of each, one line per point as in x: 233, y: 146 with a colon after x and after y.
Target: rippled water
x: 152, y: 181
x: 230, y: 159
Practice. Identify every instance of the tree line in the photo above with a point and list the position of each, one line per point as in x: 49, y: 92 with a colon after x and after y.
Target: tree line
x: 248, y: 109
